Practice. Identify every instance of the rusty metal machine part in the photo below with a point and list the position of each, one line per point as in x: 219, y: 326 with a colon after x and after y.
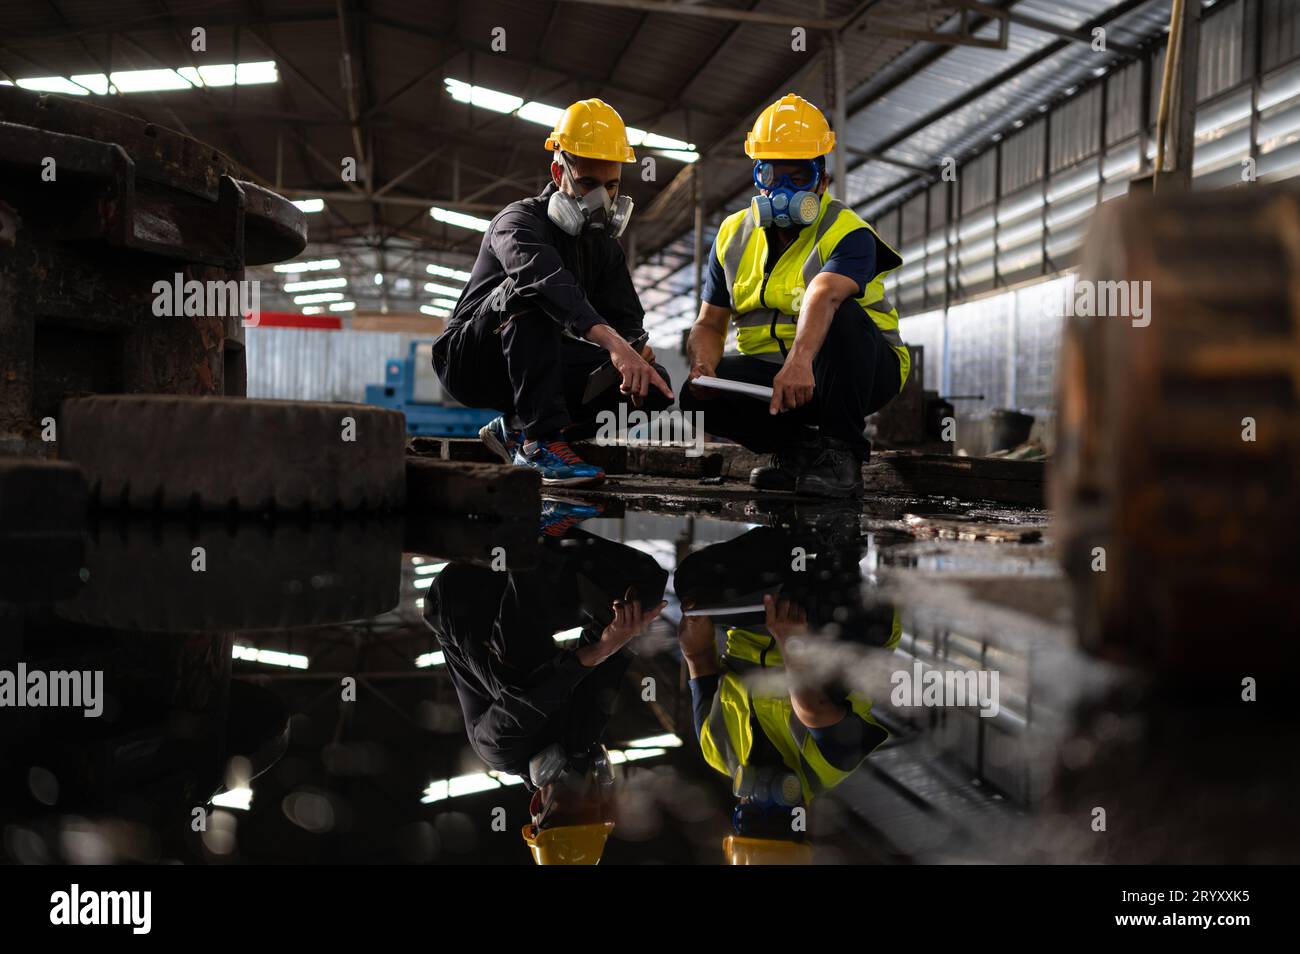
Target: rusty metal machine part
x: 95, y: 208
x: 214, y: 454
x: 1179, y: 441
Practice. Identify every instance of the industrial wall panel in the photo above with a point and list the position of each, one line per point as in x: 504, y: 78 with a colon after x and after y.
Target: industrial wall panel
x: 887, y: 227
x: 1076, y: 129
x: 1219, y: 65
x: 978, y: 181
x: 308, y: 365
x: 939, y: 204
x: 926, y: 330
x: 1037, y: 343
x: 1124, y: 103
x: 977, y: 351
x: 1222, y: 140
x: 913, y: 223
x: 1280, y: 32
x: 1022, y: 157
x: 1279, y: 124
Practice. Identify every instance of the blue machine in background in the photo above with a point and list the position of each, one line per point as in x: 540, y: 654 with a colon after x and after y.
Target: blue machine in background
x: 411, y: 386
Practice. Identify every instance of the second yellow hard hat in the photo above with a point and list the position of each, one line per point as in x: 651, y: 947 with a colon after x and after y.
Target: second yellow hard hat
x: 791, y: 128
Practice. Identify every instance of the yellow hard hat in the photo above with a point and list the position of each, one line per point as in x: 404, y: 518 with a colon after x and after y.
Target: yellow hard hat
x: 791, y: 128
x: 742, y: 850
x: 594, y: 130
x: 568, y: 844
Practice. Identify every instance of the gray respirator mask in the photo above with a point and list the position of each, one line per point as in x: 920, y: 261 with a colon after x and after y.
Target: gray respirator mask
x: 595, y: 210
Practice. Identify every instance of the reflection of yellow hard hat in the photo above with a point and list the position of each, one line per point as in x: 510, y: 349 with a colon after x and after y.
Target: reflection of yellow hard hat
x: 741, y: 850
x: 791, y: 128
x: 594, y: 130
x: 568, y: 844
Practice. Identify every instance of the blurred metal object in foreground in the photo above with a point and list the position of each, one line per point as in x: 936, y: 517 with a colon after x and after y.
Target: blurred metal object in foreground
x: 1179, y: 434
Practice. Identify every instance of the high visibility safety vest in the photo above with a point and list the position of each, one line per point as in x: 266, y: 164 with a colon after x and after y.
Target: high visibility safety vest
x: 727, y: 738
x: 766, y: 304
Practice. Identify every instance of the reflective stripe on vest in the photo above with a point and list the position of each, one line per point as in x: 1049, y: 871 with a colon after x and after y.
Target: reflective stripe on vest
x: 727, y: 740
x: 766, y: 330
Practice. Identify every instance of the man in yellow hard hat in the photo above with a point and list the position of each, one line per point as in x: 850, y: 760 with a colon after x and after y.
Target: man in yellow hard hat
x: 802, y: 276
x: 550, y: 301
x: 533, y: 708
x: 783, y: 730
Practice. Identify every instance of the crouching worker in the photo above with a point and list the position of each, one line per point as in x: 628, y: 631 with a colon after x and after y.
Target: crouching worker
x: 535, y: 709
x: 803, y: 277
x: 549, y: 302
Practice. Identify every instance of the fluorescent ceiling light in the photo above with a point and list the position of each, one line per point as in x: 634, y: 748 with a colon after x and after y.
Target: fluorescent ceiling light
x: 564, y: 635
x: 310, y: 205
x: 148, y: 81
x: 254, y: 74
x: 540, y: 113
x: 460, y: 219
x: 343, y: 306
x: 546, y: 115
x: 319, y: 297
x: 442, y: 271
x: 429, y: 569
x: 680, y: 155
x: 228, y: 74
x: 437, y: 289
x: 315, y: 284
x: 311, y: 309
x: 468, y: 785
x: 269, y: 657
x: 315, y: 265
x: 618, y: 757
x: 379, y: 278
x: 482, y: 96
x: 428, y: 660
x: 444, y: 302
x: 668, y: 741
x: 53, y: 84
x: 435, y: 312
x: 656, y: 141
x: 240, y: 798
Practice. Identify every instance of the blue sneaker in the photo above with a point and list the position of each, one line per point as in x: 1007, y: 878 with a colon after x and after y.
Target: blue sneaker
x: 559, y: 515
x: 500, y: 440
x: 557, y: 463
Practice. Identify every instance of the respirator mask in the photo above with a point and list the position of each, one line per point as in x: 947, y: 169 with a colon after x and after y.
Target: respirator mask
x: 786, y: 203
x: 595, y: 210
x: 555, y: 764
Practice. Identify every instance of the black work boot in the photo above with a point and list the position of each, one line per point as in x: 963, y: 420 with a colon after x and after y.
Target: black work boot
x: 836, y: 471
x: 782, y: 472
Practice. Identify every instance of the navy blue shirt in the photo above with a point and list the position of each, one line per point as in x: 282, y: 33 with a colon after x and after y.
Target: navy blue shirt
x: 855, y: 257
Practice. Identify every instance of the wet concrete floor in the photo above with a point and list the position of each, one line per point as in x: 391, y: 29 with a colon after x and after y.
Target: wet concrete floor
x: 293, y: 687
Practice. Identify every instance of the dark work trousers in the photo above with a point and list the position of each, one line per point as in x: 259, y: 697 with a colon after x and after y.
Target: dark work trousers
x: 855, y: 373
x: 529, y: 372
x: 518, y: 691
x: 829, y: 589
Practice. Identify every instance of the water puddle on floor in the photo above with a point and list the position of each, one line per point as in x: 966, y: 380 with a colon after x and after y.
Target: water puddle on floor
x: 863, y: 685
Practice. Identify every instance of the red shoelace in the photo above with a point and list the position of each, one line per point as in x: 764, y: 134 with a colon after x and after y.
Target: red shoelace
x: 562, y: 450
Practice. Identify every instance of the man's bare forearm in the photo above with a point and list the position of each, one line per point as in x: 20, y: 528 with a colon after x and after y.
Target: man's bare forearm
x: 814, y: 321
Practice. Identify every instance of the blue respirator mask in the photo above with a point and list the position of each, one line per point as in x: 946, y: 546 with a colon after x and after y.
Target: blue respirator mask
x: 786, y: 204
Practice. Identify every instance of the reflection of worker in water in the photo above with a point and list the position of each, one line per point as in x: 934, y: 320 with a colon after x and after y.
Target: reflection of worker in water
x: 781, y: 749
x: 535, y: 709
